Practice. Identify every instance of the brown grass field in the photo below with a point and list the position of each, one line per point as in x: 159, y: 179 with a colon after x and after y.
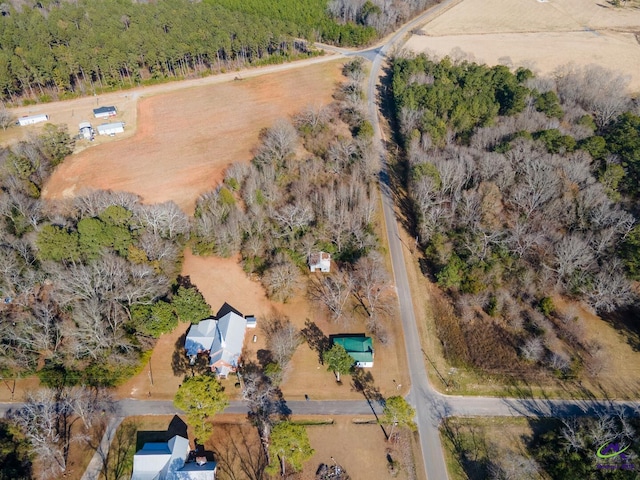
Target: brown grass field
x: 186, y: 138
x: 358, y: 447
x: 541, y: 35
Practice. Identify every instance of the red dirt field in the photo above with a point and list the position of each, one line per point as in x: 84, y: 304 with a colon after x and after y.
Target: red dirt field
x: 186, y: 138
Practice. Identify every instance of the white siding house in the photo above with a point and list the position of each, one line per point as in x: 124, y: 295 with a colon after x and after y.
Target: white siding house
x: 105, y: 112
x: 320, y: 261
x: 111, y: 128
x: 32, y: 119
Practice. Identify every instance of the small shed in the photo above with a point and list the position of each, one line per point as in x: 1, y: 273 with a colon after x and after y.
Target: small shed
x: 251, y: 321
x: 111, y: 128
x: 32, y: 119
x: 105, y: 112
x: 320, y: 261
x: 86, y: 130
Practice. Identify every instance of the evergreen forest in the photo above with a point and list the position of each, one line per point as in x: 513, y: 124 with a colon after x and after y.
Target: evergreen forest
x: 56, y: 49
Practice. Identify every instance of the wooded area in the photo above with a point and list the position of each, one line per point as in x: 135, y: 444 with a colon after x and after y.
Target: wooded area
x: 51, y: 49
x: 87, y: 283
x: 519, y: 189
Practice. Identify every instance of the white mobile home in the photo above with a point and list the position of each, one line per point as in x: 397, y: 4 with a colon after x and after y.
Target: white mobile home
x: 32, y: 119
x: 105, y: 112
x: 111, y: 128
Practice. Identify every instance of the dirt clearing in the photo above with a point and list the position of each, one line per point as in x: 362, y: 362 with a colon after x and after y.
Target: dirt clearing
x: 185, y: 139
x: 538, y: 35
x: 223, y: 280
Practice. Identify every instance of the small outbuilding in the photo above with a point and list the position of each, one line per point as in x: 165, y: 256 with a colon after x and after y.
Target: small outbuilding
x: 86, y: 130
x: 320, y: 261
x: 251, y: 321
x: 111, y: 128
x: 32, y: 119
x: 105, y: 112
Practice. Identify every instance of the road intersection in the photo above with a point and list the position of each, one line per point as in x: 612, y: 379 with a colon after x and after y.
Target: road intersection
x: 431, y: 406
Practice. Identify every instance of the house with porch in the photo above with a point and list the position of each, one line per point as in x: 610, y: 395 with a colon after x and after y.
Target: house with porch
x: 172, y: 459
x: 221, y: 337
x: 358, y: 346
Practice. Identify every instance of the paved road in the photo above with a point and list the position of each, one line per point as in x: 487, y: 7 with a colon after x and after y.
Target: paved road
x: 422, y: 395
x: 431, y: 406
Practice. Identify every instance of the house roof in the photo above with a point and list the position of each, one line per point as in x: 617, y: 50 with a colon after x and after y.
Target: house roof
x: 201, y: 336
x: 159, y: 461
x: 109, y: 126
x: 228, y: 342
x: 99, y: 110
x: 319, y: 258
x: 359, y: 347
x: 193, y: 471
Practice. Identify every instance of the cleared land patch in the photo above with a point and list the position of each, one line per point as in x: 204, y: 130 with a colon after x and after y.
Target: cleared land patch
x: 538, y: 35
x: 185, y: 139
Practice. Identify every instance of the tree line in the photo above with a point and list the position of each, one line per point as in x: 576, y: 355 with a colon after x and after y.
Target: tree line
x: 520, y: 188
x: 51, y: 49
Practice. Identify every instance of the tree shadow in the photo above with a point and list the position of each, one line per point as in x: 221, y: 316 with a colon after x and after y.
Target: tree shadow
x: 469, y: 449
x: 625, y: 320
x: 180, y: 363
x: 315, y: 338
x: 239, y: 453
x: 265, y: 357
x: 362, y: 381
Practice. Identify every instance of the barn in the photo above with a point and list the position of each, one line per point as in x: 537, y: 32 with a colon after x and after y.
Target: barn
x: 32, y: 119
x: 105, y: 112
x: 111, y: 128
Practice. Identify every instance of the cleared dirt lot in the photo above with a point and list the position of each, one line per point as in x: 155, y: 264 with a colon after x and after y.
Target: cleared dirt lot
x: 538, y: 35
x: 186, y: 138
x: 223, y: 280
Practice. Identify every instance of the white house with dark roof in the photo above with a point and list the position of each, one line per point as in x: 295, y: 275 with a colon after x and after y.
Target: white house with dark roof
x: 105, y: 112
x: 222, y: 337
x: 168, y: 461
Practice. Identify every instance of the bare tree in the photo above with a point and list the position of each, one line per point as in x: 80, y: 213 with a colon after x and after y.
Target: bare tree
x: 533, y: 349
x: 165, y: 219
x: 513, y: 466
x: 611, y: 289
x: 370, y: 281
x: 264, y: 402
x: 6, y: 118
x: 312, y: 118
x: 278, y: 143
x: 333, y: 292
x: 282, y: 280
x: 282, y: 337
x: 40, y: 420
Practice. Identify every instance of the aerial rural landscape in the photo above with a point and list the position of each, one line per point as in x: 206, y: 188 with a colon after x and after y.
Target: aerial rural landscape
x: 320, y: 239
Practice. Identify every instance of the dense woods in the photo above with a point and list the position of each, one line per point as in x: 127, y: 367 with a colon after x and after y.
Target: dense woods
x: 51, y: 49
x: 520, y: 188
